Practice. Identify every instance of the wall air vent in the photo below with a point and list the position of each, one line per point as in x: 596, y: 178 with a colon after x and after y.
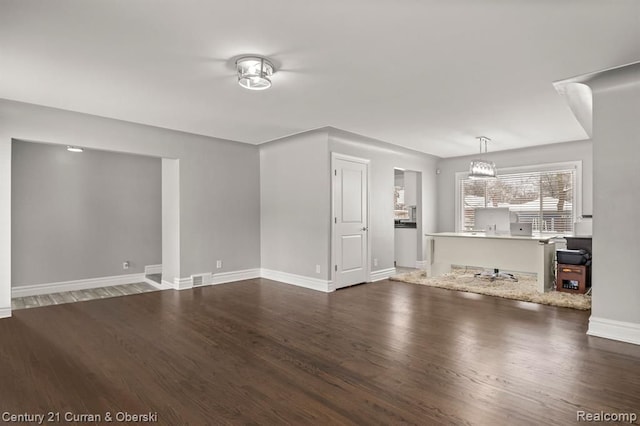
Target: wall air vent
x: 199, y: 280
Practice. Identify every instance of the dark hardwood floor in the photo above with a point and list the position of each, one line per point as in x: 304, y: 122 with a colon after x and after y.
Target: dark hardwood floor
x: 261, y: 352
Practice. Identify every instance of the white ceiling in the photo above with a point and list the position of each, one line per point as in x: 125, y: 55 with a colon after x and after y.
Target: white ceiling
x: 427, y: 75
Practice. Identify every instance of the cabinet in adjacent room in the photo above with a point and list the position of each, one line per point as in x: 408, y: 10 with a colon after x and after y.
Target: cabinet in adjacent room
x: 410, y: 188
x: 406, y: 247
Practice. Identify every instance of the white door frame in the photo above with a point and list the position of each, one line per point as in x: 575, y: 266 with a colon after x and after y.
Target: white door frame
x: 337, y: 156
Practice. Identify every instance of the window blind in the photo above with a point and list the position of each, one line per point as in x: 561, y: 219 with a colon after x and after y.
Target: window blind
x: 543, y: 198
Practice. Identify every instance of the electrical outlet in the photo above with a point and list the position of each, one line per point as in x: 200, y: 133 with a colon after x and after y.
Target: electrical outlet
x: 317, y: 269
x: 125, y: 264
x: 218, y: 264
x: 375, y: 262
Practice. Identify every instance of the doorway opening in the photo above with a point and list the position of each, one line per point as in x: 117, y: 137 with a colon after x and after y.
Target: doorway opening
x: 407, y: 219
x: 85, y: 225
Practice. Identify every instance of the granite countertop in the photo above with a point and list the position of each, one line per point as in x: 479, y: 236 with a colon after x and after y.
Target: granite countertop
x: 410, y: 225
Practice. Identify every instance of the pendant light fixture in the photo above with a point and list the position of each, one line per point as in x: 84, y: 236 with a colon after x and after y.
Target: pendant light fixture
x: 482, y: 169
x: 254, y: 72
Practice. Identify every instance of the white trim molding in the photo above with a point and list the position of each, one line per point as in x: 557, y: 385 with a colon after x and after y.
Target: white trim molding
x: 298, y: 280
x: 229, y: 277
x: 47, y: 288
x: 160, y: 286
x: 382, y: 274
x: 422, y: 264
x: 182, y: 283
x: 628, y: 332
x: 214, y: 279
x: 152, y: 269
x: 5, y: 312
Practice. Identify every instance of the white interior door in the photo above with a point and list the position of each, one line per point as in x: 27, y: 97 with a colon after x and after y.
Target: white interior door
x: 351, y: 220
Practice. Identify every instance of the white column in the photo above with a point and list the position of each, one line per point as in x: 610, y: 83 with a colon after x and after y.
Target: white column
x: 170, y: 220
x: 616, y: 190
x: 5, y: 226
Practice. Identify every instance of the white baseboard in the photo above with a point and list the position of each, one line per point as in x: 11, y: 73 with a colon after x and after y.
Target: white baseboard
x: 628, y: 332
x: 36, y: 289
x: 152, y: 269
x: 422, y: 264
x: 182, y: 283
x: 382, y: 274
x: 5, y: 312
x: 229, y: 277
x: 214, y: 279
x: 298, y: 280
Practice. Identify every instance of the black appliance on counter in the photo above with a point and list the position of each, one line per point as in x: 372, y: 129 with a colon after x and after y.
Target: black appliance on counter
x: 579, y: 242
x: 574, y: 257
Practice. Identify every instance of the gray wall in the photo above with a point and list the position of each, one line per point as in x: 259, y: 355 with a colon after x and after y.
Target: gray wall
x: 555, y: 153
x: 295, y: 181
x: 219, y: 207
x: 80, y: 215
x: 384, y: 157
x: 295, y: 205
x: 219, y: 183
x: 616, y: 229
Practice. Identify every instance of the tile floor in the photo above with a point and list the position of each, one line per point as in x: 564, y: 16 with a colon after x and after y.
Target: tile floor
x: 80, y: 295
x: 155, y: 278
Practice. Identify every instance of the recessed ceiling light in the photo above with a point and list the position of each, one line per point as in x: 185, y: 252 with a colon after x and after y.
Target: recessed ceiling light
x: 74, y: 148
x: 254, y: 72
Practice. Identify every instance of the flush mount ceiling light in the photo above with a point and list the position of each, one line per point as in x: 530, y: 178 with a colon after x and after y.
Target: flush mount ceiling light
x: 74, y: 148
x: 254, y: 72
x: 481, y: 169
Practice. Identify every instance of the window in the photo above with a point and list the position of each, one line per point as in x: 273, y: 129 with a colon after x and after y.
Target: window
x: 544, y: 197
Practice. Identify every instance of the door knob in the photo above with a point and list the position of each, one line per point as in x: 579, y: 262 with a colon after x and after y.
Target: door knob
x: 365, y: 229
